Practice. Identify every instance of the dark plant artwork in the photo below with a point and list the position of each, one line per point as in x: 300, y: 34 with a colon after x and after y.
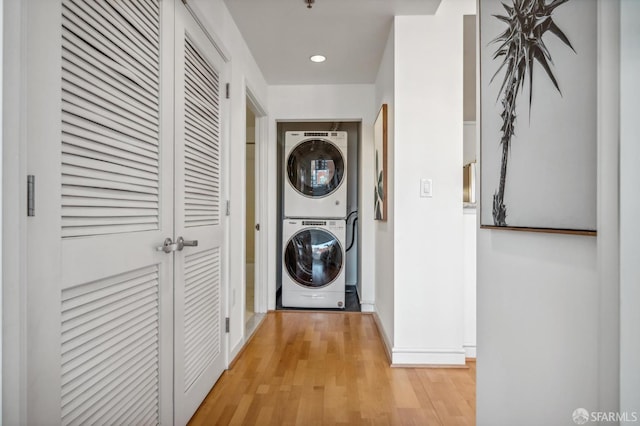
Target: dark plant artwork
x: 378, y: 189
x: 380, y: 182
x: 521, y: 46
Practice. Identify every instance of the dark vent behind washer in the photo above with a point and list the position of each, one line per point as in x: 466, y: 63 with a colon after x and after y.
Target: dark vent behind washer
x: 316, y: 134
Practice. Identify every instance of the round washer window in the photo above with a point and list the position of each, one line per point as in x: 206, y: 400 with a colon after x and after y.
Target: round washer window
x: 315, y: 168
x: 313, y: 258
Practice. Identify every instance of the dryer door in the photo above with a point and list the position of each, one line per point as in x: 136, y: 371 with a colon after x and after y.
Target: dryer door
x: 313, y: 258
x: 315, y: 168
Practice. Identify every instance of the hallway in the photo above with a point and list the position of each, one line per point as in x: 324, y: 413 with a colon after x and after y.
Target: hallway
x: 331, y: 368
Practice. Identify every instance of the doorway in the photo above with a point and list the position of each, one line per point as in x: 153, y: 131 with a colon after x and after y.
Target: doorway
x: 250, y: 215
x: 254, y: 294
x: 353, y: 286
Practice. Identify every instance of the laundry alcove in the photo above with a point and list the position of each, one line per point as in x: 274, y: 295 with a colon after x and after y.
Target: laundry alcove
x: 352, y: 234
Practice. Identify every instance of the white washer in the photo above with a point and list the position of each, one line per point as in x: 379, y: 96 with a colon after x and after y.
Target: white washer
x: 315, y: 175
x: 313, y: 258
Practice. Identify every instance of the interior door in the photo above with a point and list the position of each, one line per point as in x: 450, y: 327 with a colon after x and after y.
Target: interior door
x: 200, y: 341
x: 123, y: 128
x: 99, y: 139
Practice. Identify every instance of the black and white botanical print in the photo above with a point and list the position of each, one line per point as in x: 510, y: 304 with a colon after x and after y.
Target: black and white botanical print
x: 530, y: 57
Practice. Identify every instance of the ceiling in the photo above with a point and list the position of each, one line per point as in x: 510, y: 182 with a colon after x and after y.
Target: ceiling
x: 352, y: 34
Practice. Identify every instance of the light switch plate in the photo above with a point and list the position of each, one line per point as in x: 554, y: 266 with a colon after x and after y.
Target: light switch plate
x: 426, y: 188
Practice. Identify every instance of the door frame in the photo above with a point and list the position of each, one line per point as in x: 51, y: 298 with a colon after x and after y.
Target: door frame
x: 260, y: 248
x: 14, y: 215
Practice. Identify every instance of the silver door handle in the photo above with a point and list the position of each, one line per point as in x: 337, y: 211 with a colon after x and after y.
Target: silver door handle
x: 168, y: 246
x: 186, y: 243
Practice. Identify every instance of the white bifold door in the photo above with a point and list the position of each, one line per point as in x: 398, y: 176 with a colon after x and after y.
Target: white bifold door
x: 125, y: 300
x: 199, y: 314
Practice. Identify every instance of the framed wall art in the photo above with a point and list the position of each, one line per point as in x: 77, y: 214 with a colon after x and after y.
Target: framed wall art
x: 538, y: 105
x: 380, y: 162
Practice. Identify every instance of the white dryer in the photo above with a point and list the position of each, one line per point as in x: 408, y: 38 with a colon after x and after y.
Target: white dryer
x: 315, y: 175
x: 313, y: 259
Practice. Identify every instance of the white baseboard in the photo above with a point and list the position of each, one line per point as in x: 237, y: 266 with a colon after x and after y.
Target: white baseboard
x: 364, y: 305
x: 427, y: 357
x: 367, y: 307
x: 235, y: 352
x: 385, y: 338
x: 469, y: 351
x: 417, y: 356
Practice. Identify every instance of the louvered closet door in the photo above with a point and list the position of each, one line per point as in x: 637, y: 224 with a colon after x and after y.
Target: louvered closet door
x: 100, y: 144
x: 199, y: 297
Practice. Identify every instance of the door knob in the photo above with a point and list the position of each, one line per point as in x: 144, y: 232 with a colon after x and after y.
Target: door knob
x: 186, y: 243
x: 168, y: 246
x: 257, y: 226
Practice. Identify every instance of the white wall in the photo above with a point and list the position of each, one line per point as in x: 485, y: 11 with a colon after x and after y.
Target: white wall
x: 629, y: 207
x: 469, y: 60
x: 537, y: 327
x: 469, y: 275
x: 547, y: 304
x: 1, y: 149
x: 383, y: 231
x: 318, y: 103
x: 608, y: 212
x: 469, y: 156
x: 469, y: 149
x: 244, y: 72
x: 428, y: 232
x: 353, y: 200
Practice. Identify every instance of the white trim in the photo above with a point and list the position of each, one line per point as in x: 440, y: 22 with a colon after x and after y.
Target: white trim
x: 608, y: 201
x: 256, y: 106
x: 14, y: 170
x: 233, y: 353
x: 629, y: 205
x: 262, y: 254
x: 420, y: 356
x: 212, y: 36
x: 385, y: 338
x: 250, y: 328
x: 469, y: 351
x: 367, y: 307
x: 1, y: 180
x: 261, y: 207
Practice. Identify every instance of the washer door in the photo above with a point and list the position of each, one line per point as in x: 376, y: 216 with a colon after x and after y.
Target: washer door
x: 313, y: 258
x: 315, y: 168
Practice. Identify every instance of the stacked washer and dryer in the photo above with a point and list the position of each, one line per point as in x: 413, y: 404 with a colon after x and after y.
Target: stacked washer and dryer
x: 315, y: 211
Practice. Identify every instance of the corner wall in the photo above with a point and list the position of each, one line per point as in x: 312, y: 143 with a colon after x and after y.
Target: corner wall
x: 383, y: 231
x: 428, y: 232
x: 629, y: 208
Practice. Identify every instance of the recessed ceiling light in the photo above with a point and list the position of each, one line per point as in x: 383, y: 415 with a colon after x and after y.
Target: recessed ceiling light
x: 318, y: 58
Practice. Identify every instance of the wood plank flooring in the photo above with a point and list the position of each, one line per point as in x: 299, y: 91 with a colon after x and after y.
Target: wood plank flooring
x: 326, y: 368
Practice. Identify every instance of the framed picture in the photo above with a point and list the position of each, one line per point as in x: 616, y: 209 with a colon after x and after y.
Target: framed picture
x: 380, y: 161
x: 538, y: 105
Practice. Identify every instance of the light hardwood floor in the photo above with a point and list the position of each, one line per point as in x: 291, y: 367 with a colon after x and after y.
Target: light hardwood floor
x: 327, y: 368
